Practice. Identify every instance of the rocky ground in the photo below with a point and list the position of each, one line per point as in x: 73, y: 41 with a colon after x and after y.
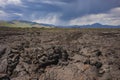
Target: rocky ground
x: 59, y: 54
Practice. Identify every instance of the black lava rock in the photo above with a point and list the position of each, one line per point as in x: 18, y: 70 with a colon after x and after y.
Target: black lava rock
x: 5, y: 78
x: 98, y: 65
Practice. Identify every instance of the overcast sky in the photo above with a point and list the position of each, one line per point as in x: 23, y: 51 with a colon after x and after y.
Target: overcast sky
x: 62, y: 12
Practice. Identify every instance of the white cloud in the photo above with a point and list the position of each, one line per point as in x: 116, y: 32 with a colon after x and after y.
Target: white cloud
x: 112, y: 17
x: 3, y: 15
x: 49, y: 19
x: 7, y: 16
x: 16, y: 2
x: 18, y: 14
x: 3, y: 3
x: 52, y: 2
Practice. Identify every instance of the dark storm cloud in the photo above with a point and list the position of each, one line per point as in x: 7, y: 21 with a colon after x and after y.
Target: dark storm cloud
x: 73, y: 8
x: 69, y: 9
x: 85, y: 7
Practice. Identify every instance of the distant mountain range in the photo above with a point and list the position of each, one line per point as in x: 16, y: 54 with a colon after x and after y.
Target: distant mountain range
x: 24, y: 24
x: 28, y: 24
x: 96, y: 25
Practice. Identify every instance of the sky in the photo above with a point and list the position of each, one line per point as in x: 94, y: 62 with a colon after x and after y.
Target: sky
x: 62, y: 12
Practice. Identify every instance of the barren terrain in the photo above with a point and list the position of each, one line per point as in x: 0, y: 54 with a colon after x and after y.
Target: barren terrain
x: 59, y: 54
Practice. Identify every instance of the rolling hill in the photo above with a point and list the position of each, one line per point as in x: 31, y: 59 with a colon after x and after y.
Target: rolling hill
x: 23, y: 24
